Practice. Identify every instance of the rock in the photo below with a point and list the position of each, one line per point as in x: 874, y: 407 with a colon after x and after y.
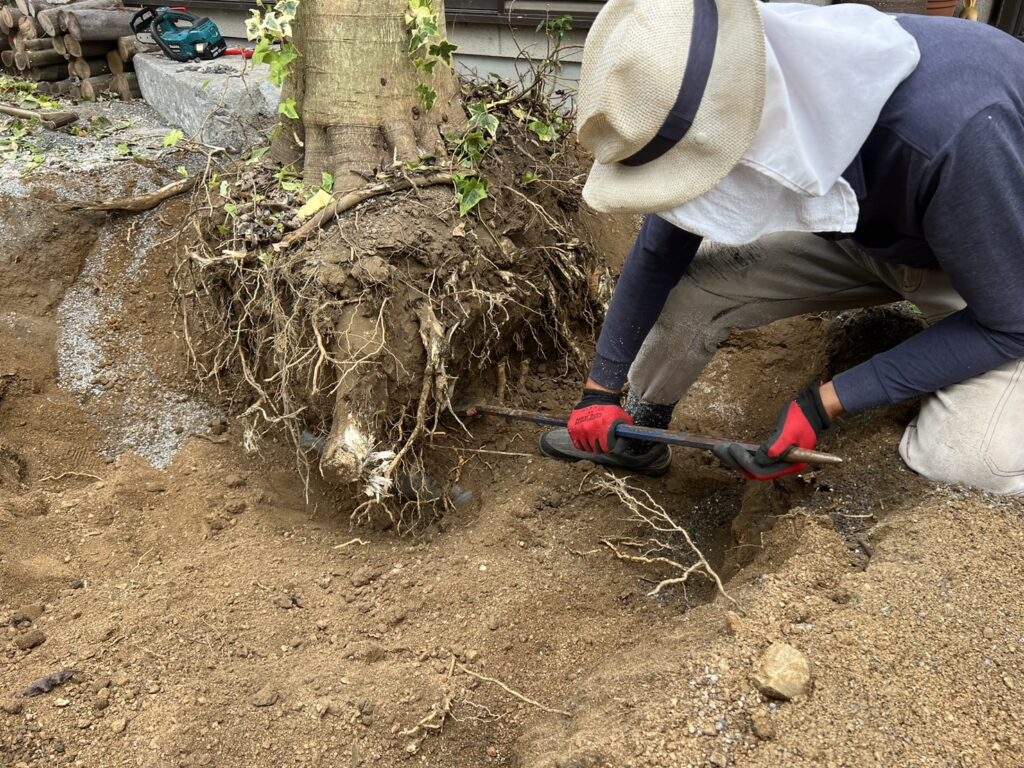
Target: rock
x: 237, y: 507
x: 118, y: 725
x: 27, y: 614
x: 102, y: 700
x: 733, y: 623
x: 366, y: 575
x: 99, y: 684
x: 11, y: 706
x: 265, y: 697
x: 718, y: 760
x: 783, y: 672
x: 156, y: 486
x: 366, y: 709
x: 31, y: 639
x: 234, y: 480
x: 763, y: 726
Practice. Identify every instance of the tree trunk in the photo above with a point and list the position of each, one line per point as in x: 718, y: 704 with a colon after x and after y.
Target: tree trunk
x: 354, y: 87
x: 96, y: 24
x: 85, y: 68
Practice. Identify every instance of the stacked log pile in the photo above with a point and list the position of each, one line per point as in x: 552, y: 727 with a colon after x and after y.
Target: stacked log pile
x: 78, y: 48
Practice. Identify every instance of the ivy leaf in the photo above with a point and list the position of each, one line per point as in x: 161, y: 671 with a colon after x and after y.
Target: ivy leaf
x: 443, y: 50
x: 470, y: 191
x: 287, y: 108
x: 427, y: 96
x: 327, y: 182
x: 172, y: 138
x: 545, y: 131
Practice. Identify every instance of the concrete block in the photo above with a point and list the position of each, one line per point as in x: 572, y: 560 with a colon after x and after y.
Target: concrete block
x: 225, y: 102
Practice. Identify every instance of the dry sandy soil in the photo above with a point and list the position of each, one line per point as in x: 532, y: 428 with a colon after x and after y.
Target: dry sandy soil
x: 215, y: 616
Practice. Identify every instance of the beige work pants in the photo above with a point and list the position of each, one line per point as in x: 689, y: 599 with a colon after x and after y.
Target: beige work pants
x: 970, y: 433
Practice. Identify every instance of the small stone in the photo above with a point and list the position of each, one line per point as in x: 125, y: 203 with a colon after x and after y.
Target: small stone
x: 718, y: 760
x: 77, y: 584
x: 235, y: 507
x: 99, y: 684
x: 27, y: 614
x: 155, y: 487
x: 61, y: 703
x: 31, y: 639
x: 234, y: 480
x: 218, y: 427
x: 366, y: 575
x: 783, y: 672
x: 733, y: 623
x: 102, y: 700
x: 11, y: 706
x: 284, y: 602
x: 152, y: 687
x: 118, y: 725
x: 412, y: 747
x: 763, y: 726
x: 366, y: 709
x: 265, y: 697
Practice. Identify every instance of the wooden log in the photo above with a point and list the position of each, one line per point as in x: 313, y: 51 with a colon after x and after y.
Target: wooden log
x: 95, y: 24
x: 75, y: 91
x: 37, y: 44
x: 35, y: 7
x: 79, y: 50
x: 52, y: 72
x: 58, y: 45
x: 93, y: 86
x: 84, y: 68
x: 51, y: 20
x: 126, y: 86
x: 114, y: 62
x: 7, y: 57
x: 37, y: 59
x: 5, y: 44
x: 60, y: 87
x: 130, y: 45
x: 9, y: 18
x: 28, y: 28
x: 22, y: 7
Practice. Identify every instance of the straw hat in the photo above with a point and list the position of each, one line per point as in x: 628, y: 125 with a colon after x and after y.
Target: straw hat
x: 670, y: 98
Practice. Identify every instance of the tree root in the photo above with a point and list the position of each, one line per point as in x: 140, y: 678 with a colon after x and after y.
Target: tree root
x: 136, y: 204
x: 647, y: 511
x: 354, y: 198
x: 512, y: 692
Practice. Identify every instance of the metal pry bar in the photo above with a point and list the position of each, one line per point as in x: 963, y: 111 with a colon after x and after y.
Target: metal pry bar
x: 667, y: 436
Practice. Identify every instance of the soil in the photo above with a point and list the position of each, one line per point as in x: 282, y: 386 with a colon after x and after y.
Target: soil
x: 218, y: 614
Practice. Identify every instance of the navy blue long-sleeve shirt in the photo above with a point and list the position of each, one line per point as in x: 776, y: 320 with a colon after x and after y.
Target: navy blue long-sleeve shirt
x: 940, y: 183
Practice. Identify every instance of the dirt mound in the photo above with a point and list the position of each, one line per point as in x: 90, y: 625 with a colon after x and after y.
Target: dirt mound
x: 217, y: 615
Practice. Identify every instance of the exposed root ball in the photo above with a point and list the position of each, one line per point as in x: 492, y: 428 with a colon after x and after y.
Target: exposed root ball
x: 356, y: 339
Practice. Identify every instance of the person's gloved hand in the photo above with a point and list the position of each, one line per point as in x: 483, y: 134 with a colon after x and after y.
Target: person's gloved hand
x: 799, y: 426
x: 592, y: 423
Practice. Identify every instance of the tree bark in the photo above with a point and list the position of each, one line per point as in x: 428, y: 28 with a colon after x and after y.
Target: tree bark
x: 92, y: 24
x: 354, y: 86
x: 85, y: 68
x: 35, y: 59
x: 91, y: 86
x: 78, y: 50
x: 50, y: 19
x: 52, y: 72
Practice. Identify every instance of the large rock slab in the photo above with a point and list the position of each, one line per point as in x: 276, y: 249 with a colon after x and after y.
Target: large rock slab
x: 226, y: 102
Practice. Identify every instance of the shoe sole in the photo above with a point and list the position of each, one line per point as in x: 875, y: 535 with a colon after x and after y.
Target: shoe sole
x: 658, y: 468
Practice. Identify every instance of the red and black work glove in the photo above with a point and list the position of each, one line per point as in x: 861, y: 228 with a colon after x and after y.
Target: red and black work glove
x: 799, y: 426
x: 592, y: 423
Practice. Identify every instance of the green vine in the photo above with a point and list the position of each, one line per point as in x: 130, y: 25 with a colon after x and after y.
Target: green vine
x: 271, y: 28
x: 428, y: 45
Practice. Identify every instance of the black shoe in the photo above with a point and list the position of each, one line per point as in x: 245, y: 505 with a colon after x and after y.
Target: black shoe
x: 653, y: 462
